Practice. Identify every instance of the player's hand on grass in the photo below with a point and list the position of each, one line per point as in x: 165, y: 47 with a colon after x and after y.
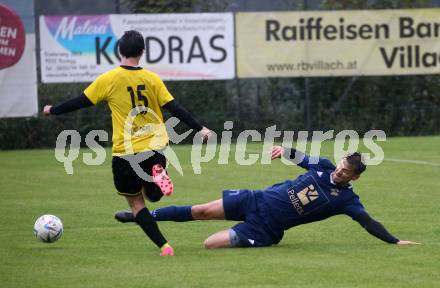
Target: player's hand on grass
x: 405, y: 242
x: 205, y: 134
x: 277, y: 151
x: 46, y: 109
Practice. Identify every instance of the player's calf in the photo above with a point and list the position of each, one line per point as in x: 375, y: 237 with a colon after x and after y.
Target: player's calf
x: 152, y: 193
x: 209, y: 211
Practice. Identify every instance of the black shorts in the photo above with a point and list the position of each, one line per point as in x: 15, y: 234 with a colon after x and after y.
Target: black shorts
x: 128, y: 183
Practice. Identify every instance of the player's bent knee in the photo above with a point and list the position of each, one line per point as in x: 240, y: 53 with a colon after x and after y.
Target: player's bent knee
x: 207, y: 244
x: 218, y: 240
x: 211, y: 244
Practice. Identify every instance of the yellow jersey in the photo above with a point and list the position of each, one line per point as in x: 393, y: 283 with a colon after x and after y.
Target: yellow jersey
x: 134, y: 96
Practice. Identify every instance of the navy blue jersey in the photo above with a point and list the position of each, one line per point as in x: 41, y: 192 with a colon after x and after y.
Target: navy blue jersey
x: 310, y: 197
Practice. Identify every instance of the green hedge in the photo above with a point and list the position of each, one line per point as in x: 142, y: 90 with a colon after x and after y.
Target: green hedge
x: 399, y: 105
x: 404, y: 105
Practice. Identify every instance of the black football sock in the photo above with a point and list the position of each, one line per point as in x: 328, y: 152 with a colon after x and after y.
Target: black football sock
x: 149, y: 225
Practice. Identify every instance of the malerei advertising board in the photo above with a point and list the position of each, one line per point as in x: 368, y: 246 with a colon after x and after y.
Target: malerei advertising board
x: 178, y: 46
x: 338, y: 43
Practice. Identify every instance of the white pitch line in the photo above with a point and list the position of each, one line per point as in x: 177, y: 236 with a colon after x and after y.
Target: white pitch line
x: 412, y: 161
x: 419, y: 162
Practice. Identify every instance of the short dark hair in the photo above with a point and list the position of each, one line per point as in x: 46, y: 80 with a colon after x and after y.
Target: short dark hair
x: 355, y: 161
x: 131, y: 44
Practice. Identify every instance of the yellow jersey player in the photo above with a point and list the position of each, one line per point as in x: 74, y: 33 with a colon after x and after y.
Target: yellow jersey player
x: 135, y: 97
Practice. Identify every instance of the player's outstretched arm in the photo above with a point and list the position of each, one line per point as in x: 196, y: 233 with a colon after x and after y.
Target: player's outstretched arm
x: 299, y: 158
x: 180, y: 113
x: 376, y: 229
x: 293, y: 155
x: 68, y: 106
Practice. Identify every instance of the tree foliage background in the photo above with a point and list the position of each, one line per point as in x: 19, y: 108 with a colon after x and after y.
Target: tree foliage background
x: 399, y: 105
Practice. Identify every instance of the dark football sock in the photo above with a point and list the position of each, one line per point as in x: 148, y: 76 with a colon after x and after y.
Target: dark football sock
x: 149, y: 225
x: 173, y: 213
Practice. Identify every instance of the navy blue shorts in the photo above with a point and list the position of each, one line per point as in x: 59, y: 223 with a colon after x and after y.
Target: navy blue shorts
x: 243, y: 205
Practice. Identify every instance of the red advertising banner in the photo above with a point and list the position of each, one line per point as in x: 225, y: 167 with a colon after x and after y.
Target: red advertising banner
x: 18, y: 75
x: 12, y: 37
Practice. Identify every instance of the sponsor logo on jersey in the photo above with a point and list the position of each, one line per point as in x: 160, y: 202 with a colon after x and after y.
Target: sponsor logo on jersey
x: 335, y: 192
x: 307, y: 195
x: 302, y: 198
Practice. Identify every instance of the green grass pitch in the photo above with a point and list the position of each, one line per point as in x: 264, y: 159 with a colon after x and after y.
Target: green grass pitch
x: 96, y: 251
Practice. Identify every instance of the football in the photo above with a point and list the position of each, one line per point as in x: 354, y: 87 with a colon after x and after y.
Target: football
x: 48, y: 228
